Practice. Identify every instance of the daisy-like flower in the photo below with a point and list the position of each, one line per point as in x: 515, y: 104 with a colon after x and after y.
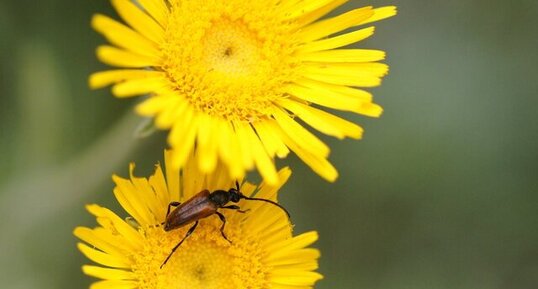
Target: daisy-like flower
x: 231, y: 78
x: 262, y: 253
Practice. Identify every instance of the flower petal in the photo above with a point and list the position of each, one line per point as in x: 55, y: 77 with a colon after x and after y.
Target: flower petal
x: 323, y: 121
x: 114, y: 284
x: 107, y: 273
x: 344, y: 55
x: 335, y: 24
x: 108, y: 77
x: 300, y: 135
x: 337, y: 41
x: 139, y: 20
x: 157, y: 9
x: 103, y: 258
x: 117, y: 57
x: 123, y: 36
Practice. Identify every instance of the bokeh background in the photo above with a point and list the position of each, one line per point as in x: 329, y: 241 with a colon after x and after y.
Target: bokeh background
x: 440, y: 193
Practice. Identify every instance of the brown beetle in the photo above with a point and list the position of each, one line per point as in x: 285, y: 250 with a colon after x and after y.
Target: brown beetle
x: 203, y: 205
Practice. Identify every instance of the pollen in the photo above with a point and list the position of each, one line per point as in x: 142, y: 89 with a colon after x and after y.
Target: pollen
x: 205, y: 260
x: 223, y: 60
x: 231, y: 50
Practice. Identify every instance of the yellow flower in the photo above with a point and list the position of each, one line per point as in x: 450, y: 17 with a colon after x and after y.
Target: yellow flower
x: 262, y: 253
x: 230, y: 78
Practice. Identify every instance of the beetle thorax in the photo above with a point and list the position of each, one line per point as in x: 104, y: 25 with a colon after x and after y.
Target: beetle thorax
x: 220, y: 197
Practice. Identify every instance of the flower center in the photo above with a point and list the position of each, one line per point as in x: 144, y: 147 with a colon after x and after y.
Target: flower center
x: 231, y: 50
x: 231, y: 61
x: 205, y: 260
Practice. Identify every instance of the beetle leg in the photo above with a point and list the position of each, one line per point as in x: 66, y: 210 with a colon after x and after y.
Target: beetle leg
x: 180, y: 242
x: 234, y: 207
x: 223, y: 219
x: 172, y: 204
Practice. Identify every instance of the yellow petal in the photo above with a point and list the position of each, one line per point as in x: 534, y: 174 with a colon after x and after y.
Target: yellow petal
x: 191, y: 174
x: 337, y: 41
x: 297, y: 242
x: 309, y: 90
x: 230, y: 151
x: 172, y: 177
x: 171, y: 113
x: 270, y: 224
x: 243, y: 143
x: 370, y: 109
x: 108, y: 77
x: 344, y: 55
x: 345, y: 80
x: 263, y: 161
x: 271, y: 142
x: 300, y: 278
x: 285, y: 286
x: 317, y: 163
x: 162, y: 195
x: 300, y: 135
x: 114, y: 284
x: 297, y: 256
x: 207, y: 144
x: 132, y: 204
x: 89, y: 236
x: 381, y: 13
x: 337, y: 92
x: 322, y: 11
x: 219, y: 179
x: 157, y: 9
x: 135, y: 87
x: 292, y: 268
x: 301, y: 8
x: 107, y: 273
x: 335, y: 24
x: 123, y: 36
x: 144, y: 192
x: 117, y: 57
x: 182, y: 137
x: 139, y: 20
x: 324, y: 122
x: 103, y: 258
x: 224, y: 141
x: 359, y: 69
x: 269, y: 192
x: 270, y: 220
x: 155, y: 104
x: 120, y: 226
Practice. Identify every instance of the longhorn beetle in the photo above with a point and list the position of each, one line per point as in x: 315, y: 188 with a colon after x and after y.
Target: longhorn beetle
x: 203, y: 205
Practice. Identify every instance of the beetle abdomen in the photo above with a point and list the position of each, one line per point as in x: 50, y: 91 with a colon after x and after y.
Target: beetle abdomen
x: 195, y: 208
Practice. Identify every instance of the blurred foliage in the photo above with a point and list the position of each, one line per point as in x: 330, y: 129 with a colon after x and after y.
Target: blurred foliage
x: 441, y: 192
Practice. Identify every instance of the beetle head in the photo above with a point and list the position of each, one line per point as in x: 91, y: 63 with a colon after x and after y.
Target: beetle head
x: 235, y: 195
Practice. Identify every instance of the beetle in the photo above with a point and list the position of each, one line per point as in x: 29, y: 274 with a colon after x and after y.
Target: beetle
x: 203, y: 205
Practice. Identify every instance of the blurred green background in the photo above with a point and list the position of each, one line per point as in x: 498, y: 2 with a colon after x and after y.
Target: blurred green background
x: 441, y: 192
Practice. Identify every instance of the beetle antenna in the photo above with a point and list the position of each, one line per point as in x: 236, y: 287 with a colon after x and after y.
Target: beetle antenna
x: 267, y: 201
x: 237, y: 185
